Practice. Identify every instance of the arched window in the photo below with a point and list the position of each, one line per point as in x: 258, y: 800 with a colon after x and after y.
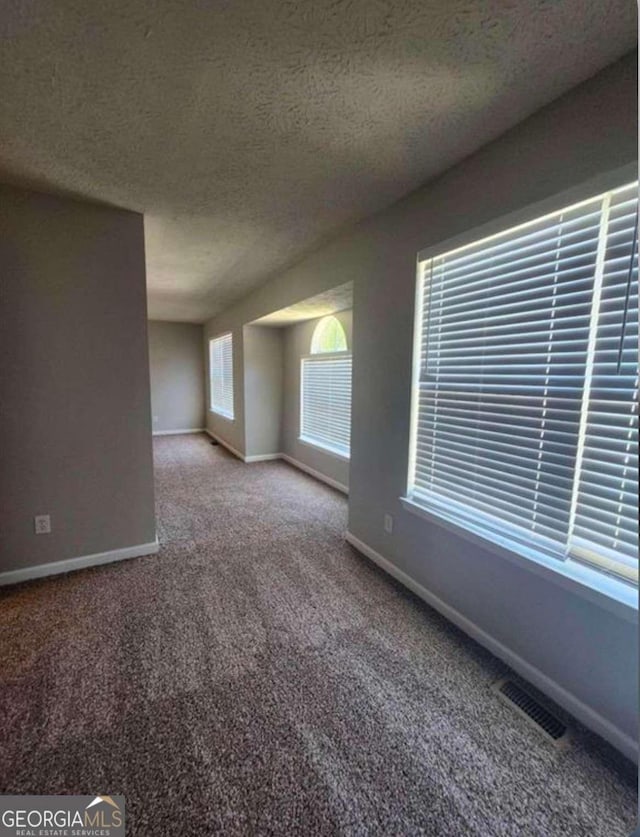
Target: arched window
x: 328, y: 336
x: 325, y: 397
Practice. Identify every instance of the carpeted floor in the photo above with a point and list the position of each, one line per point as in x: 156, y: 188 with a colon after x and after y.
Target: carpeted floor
x: 259, y: 677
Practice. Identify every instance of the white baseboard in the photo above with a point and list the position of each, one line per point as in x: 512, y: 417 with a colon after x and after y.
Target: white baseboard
x: 270, y: 457
x: 302, y: 467
x: 70, y: 564
x: 224, y: 444
x: 178, y: 432
x: 263, y: 457
x: 588, y: 716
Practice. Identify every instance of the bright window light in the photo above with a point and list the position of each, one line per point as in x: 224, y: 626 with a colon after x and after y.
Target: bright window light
x: 221, y: 375
x: 328, y: 336
x: 525, y: 396
x: 325, y: 390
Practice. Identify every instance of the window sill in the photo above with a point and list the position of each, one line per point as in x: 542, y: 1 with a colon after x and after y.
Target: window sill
x: 606, y: 591
x: 325, y: 449
x: 221, y: 415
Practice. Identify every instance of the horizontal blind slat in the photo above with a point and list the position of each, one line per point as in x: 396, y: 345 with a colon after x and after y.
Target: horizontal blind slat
x: 325, y: 403
x: 506, y: 326
x: 221, y: 372
x: 607, y: 505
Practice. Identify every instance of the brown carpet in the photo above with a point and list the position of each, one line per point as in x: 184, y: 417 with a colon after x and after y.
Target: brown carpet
x: 259, y: 677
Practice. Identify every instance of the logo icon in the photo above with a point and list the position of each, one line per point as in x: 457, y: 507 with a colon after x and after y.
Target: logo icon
x: 39, y: 816
x: 106, y: 799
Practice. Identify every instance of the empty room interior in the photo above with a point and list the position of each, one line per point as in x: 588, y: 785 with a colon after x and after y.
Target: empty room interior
x: 319, y: 418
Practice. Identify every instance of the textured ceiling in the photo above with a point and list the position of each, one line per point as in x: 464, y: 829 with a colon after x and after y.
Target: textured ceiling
x: 337, y: 299
x: 248, y: 131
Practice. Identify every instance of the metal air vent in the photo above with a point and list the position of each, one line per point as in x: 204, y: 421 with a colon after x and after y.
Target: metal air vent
x: 526, y: 705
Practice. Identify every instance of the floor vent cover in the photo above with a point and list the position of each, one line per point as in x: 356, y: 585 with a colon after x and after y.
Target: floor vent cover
x: 534, y: 712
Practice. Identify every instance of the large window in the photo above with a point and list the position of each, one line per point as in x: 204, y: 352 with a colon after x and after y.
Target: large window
x: 221, y: 375
x: 525, y: 403
x: 325, y: 402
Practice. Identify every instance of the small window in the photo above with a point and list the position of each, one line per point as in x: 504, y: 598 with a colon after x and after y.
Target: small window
x: 325, y: 398
x: 221, y: 375
x: 328, y: 337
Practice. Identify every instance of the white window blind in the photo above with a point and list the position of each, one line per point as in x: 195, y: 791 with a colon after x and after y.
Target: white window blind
x: 325, y: 418
x: 605, y: 526
x: 524, y: 428
x: 221, y: 372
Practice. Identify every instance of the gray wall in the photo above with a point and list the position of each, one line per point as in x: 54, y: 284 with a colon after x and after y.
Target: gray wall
x: 584, y: 648
x: 75, y: 422
x: 297, y: 344
x: 262, y: 389
x: 177, y: 376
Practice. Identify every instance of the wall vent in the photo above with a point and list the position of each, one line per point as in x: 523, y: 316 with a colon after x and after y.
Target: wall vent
x: 537, y: 715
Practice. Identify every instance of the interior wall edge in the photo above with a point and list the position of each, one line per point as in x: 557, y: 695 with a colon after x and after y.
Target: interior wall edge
x: 270, y: 457
x: 316, y: 474
x: 225, y: 444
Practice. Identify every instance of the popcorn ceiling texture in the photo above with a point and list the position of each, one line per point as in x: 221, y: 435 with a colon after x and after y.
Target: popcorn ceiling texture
x: 248, y: 131
x: 259, y: 677
x: 328, y: 302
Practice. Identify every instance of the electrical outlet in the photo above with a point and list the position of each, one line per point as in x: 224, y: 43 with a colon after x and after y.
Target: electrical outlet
x: 155, y: 419
x: 42, y: 524
x: 388, y: 523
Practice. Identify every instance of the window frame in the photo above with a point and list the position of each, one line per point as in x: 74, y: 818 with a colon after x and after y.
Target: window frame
x: 609, y: 591
x: 212, y: 408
